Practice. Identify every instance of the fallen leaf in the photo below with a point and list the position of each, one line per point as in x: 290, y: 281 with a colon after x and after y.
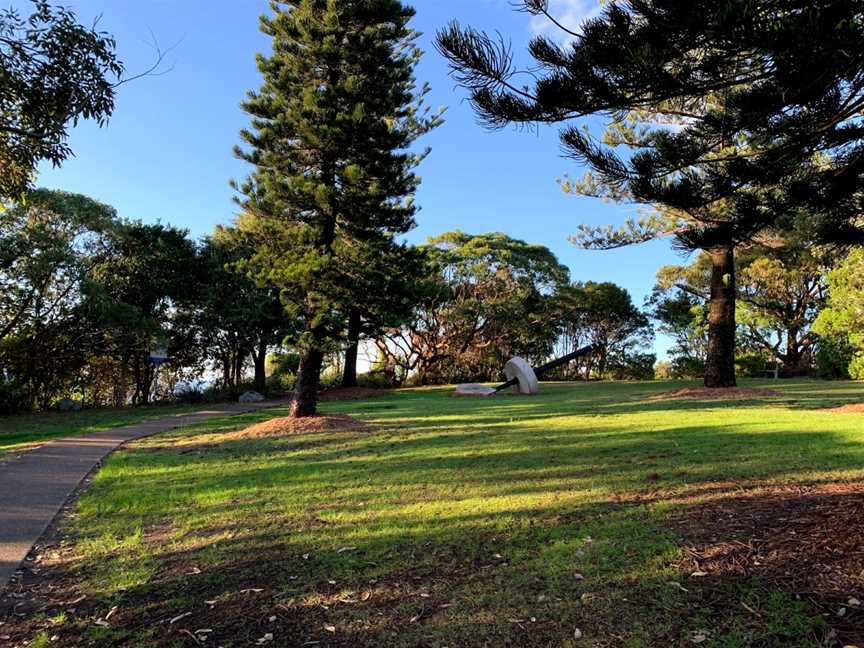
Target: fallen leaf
x: 181, y: 616
x: 577, y: 633
x: 251, y: 590
x: 578, y: 576
x: 330, y: 628
x: 365, y: 596
x: 344, y: 549
x: 699, y: 638
x: 698, y: 574
x: 853, y: 601
x: 111, y: 612
x: 102, y: 623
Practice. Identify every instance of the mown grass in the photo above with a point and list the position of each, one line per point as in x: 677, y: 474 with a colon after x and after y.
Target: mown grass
x: 23, y: 431
x: 457, y: 522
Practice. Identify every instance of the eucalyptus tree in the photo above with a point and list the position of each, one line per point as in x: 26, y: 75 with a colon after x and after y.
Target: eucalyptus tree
x: 54, y: 71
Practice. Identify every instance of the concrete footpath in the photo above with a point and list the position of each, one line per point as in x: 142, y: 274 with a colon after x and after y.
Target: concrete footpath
x: 35, y: 485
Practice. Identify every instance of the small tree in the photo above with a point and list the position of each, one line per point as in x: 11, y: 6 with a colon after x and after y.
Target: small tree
x: 331, y: 128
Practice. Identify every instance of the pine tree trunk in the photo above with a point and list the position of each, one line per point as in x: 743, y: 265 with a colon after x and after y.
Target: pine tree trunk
x: 349, y: 373
x: 720, y: 363
x: 308, y: 379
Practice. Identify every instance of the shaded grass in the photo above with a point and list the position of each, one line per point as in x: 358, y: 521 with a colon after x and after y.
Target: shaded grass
x: 505, y: 521
x: 20, y: 432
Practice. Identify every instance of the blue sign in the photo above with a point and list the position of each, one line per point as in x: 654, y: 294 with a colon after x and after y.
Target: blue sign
x: 158, y: 356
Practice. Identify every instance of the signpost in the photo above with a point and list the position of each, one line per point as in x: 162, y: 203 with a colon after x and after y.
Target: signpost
x: 158, y: 357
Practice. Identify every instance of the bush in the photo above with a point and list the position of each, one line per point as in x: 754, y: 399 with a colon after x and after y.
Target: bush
x: 636, y: 366
x: 374, y: 380
x: 13, y: 399
x: 751, y: 365
x: 834, y: 358
x: 190, y: 395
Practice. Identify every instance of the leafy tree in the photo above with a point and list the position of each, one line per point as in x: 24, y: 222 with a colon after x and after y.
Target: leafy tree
x: 331, y: 128
x: 719, y: 109
x: 841, y: 323
x: 782, y: 290
x: 491, y: 300
x: 53, y: 72
x: 140, y: 273
x: 236, y: 318
x: 603, y: 313
x: 393, y: 278
x: 46, y: 245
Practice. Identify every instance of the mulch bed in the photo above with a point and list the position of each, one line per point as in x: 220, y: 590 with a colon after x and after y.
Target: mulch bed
x: 853, y: 408
x: 805, y: 540
x: 704, y: 393
x: 289, y: 426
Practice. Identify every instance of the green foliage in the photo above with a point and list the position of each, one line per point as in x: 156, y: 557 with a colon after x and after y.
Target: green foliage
x: 490, y: 298
x: 603, y: 313
x: 324, y: 203
x: 46, y: 249
x: 133, y: 285
x: 54, y: 72
x: 842, y: 321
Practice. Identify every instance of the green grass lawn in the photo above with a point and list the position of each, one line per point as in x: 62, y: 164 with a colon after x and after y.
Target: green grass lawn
x: 559, y: 520
x: 20, y: 432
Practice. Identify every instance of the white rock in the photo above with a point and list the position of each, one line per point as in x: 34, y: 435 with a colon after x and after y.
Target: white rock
x: 472, y: 389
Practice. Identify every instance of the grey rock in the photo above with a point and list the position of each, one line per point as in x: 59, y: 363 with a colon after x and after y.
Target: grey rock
x: 251, y: 397
x: 472, y: 389
x: 69, y: 405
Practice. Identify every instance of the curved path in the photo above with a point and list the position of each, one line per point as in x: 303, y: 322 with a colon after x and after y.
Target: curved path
x: 35, y: 485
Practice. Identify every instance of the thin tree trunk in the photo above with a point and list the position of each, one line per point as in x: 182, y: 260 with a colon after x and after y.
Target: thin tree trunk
x: 720, y: 363
x: 349, y: 373
x: 238, y: 366
x: 260, y: 359
x: 308, y: 379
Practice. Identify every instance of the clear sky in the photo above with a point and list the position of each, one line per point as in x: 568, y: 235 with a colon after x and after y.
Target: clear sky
x: 167, y: 152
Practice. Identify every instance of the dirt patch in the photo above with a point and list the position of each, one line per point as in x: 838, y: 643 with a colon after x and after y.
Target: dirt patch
x: 852, y: 408
x: 806, y: 540
x: 287, y: 426
x: 353, y: 393
x: 703, y: 393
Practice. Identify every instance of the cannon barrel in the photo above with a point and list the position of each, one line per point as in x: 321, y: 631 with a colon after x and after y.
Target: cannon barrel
x: 549, y: 366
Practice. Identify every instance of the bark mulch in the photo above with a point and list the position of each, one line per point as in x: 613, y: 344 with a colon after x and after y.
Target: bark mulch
x: 704, y: 393
x: 807, y: 540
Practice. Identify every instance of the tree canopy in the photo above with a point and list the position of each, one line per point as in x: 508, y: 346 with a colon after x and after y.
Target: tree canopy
x: 53, y: 72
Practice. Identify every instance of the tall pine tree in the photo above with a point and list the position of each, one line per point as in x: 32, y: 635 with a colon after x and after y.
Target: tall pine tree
x: 721, y: 110
x: 332, y: 127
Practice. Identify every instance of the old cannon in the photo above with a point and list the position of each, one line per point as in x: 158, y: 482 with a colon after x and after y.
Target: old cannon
x: 522, y: 377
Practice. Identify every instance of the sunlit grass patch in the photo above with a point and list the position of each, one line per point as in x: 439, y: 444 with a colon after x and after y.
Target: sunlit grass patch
x: 504, y: 521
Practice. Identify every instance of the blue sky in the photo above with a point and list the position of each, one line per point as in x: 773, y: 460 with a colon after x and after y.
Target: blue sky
x: 166, y: 153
